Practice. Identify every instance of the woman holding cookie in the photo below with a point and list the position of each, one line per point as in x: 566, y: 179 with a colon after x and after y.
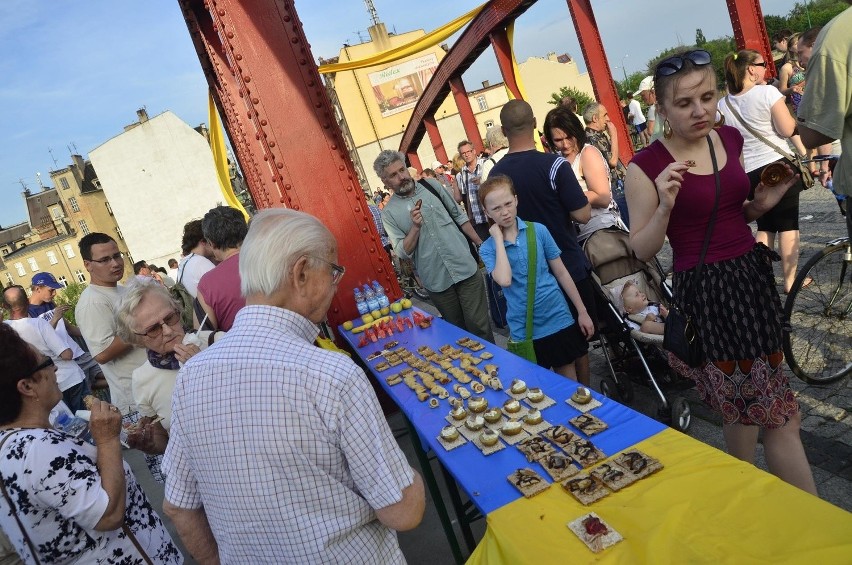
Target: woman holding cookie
x: 760, y: 113
x: 65, y: 500
x: 734, y: 301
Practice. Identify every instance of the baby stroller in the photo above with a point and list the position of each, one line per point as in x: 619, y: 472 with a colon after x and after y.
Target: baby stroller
x: 632, y: 355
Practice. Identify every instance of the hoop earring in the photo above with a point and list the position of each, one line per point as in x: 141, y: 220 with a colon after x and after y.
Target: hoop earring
x: 667, y: 129
x: 721, y: 121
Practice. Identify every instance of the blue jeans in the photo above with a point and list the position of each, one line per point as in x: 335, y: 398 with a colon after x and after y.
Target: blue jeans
x: 73, y: 397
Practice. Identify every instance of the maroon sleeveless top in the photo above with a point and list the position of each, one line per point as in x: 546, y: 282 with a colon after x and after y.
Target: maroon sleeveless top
x: 221, y: 291
x: 732, y: 237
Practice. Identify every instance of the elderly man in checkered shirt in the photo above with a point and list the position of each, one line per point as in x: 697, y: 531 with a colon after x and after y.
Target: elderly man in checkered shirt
x: 279, y: 452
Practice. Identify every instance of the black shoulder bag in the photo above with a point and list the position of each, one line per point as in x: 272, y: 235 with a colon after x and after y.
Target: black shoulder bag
x: 470, y: 244
x: 681, y: 336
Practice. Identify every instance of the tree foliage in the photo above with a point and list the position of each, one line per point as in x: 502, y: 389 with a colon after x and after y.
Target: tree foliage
x: 700, y: 40
x: 581, y: 97
x: 805, y: 15
x: 70, y: 295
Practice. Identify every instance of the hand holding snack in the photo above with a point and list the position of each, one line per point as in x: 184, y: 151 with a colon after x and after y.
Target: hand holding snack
x: 416, y: 214
x: 104, y: 421
x: 773, y: 185
x: 148, y: 435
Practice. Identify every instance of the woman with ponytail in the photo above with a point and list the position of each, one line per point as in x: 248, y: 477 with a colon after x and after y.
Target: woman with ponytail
x: 751, y: 101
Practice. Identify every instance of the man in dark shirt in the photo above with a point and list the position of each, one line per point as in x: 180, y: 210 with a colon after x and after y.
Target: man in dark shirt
x: 548, y: 193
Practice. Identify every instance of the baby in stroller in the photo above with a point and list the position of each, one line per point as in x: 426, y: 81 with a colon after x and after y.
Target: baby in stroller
x: 642, y: 314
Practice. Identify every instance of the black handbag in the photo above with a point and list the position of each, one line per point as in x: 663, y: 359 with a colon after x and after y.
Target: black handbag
x: 681, y: 336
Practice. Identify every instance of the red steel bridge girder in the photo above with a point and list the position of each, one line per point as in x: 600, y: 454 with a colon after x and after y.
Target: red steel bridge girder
x: 471, y: 130
x: 505, y: 60
x: 598, y: 66
x: 750, y: 29
x: 282, y: 127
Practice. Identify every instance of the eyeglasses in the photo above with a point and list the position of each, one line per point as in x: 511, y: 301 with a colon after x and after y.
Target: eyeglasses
x: 116, y: 257
x: 670, y: 66
x: 48, y: 362
x: 156, y: 330
x: 337, y: 271
x: 760, y: 64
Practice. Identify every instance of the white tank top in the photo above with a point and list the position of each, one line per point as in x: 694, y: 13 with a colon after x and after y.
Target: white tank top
x: 601, y: 217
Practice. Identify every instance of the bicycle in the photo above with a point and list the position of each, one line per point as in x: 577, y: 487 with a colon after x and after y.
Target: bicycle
x: 409, y: 282
x: 819, y: 312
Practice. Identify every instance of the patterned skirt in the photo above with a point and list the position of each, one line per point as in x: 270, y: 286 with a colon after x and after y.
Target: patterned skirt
x: 739, y: 318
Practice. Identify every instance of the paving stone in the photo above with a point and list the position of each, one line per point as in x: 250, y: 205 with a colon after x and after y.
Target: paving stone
x: 836, y: 490
x: 830, y: 429
x: 811, y: 423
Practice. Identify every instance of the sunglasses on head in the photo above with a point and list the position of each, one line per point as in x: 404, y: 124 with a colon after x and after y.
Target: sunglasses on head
x: 671, y: 65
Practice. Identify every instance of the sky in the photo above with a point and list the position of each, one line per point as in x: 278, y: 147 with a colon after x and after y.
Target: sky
x: 74, y: 73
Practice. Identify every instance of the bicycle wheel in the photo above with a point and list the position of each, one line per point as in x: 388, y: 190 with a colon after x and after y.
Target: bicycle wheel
x: 817, y: 345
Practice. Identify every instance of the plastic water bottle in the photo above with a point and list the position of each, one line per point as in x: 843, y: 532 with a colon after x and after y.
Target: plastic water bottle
x: 74, y: 426
x: 370, y: 297
x: 360, y: 302
x: 379, y: 291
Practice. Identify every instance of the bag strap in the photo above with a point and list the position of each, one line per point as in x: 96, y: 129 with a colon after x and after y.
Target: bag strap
x: 757, y: 134
x: 697, y: 274
x: 129, y: 533
x: 12, y: 506
x: 532, y: 252
x: 431, y: 189
x: 183, y: 270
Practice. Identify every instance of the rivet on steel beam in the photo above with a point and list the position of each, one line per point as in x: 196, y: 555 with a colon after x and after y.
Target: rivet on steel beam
x: 266, y: 157
x: 257, y: 135
x: 238, y: 57
x: 279, y: 165
x: 349, y: 177
x: 254, y: 100
x: 364, y: 230
x: 247, y: 78
x: 288, y: 186
x: 296, y: 207
x: 349, y: 188
x: 302, y: 62
x: 221, y: 12
x: 286, y: 18
x: 358, y: 209
x: 317, y: 104
x: 311, y: 83
x: 325, y: 126
x: 282, y: 200
x: 230, y: 35
x: 341, y: 168
x: 263, y: 122
x: 272, y: 144
x: 334, y: 147
x: 294, y: 40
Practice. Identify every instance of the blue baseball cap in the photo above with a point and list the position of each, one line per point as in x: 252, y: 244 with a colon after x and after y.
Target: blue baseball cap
x: 46, y: 279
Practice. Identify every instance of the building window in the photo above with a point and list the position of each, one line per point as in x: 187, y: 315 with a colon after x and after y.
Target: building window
x: 73, y: 202
x: 118, y: 232
x: 69, y: 250
x: 84, y: 227
x: 64, y: 183
x: 109, y: 208
x: 20, y: 268
x: 62, y: 280
x: 5, y: 251
x: 51, y: 258
x: 483, y: 103
x: 56, y: 212
x: 10, y: 279
x: 81, y: 276
x: 489, y: 124
x: 33, y: 264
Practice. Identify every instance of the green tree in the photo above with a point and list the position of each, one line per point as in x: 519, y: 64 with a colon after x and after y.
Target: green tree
x: 700, y: 40
x: 70, y: 295
x: 581, y: 97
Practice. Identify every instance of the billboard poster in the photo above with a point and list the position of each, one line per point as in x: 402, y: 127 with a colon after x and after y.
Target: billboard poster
x: 397, y: 88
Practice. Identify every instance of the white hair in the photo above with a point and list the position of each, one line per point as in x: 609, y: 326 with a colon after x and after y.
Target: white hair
x: 276, y: 239
x: 137, y: 289
x: 385, y: 159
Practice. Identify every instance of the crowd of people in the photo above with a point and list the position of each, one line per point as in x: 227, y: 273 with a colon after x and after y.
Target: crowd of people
x: 272, y: 449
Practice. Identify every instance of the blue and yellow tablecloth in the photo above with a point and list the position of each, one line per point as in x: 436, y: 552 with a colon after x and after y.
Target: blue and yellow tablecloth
x: 703, y: 507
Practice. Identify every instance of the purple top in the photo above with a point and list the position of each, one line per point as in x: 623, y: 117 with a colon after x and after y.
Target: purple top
x: 731, y: 236
x: 221, y: 291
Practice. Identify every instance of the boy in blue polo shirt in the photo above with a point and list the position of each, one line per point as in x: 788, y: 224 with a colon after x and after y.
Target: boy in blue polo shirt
x: 557, y: 339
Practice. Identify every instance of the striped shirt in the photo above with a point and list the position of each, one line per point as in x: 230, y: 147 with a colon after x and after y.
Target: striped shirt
x: 285, y: 446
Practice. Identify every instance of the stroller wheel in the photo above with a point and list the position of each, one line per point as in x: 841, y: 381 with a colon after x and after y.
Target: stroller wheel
x: 625, y: 387
x: 610, y: 389
x: 681, y: 414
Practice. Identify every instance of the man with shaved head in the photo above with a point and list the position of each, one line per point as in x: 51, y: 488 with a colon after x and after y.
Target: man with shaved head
x: 548, y: 193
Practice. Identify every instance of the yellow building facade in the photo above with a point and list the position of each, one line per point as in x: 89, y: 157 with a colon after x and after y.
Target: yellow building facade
x: 58, y: 218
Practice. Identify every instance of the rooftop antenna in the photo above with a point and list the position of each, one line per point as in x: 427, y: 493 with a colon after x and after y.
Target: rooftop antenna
x: 23, y: 184
x: 371, y: 10
x: 360, y: 36
x: 76, y: 151
x: 55, y: 162
x: 38, y: 178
